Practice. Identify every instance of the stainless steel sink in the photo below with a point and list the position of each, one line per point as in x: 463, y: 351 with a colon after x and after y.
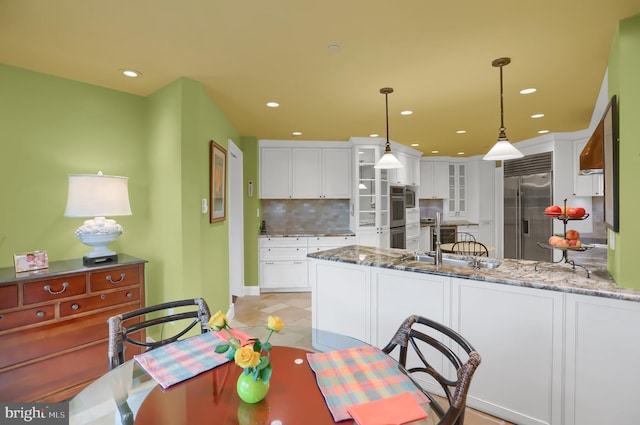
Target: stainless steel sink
x: 455, y: 260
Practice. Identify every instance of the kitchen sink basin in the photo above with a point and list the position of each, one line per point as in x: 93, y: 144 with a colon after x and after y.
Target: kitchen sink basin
x: 455, y: 260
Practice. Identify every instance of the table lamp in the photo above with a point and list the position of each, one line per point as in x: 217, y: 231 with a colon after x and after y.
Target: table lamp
x: 98, y: 196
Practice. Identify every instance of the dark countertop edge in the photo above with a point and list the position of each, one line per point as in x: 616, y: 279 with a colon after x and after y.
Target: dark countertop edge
x: 57, y: 268
x: 624, y: 294
x: 306, y: 235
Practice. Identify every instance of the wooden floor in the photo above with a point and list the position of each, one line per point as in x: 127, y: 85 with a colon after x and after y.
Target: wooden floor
x: 294, y: 308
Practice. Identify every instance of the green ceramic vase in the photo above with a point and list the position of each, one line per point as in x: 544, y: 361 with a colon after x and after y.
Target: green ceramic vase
x: 251, y: 391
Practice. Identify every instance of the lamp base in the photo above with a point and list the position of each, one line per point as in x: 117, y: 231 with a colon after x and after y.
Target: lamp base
x: 99, y: 261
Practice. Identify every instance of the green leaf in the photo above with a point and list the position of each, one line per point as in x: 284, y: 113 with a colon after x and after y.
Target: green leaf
x: 257, y: 346
x: 265, y: 374
x: 264, y: 362
x: 231, y: 353
x: 234, y: 342
x: 222, y: 348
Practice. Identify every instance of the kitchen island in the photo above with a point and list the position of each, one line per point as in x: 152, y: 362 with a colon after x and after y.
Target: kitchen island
x: 550, y: 337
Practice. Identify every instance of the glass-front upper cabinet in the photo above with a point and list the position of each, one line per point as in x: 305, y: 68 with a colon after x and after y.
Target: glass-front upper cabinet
x: 457, y: 202
x: 373, y: 189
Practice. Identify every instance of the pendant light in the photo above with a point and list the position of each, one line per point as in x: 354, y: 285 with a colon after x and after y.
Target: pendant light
x: 503, y: 149
x: 387, y: 160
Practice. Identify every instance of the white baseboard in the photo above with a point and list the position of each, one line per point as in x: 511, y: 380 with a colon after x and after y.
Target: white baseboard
x: 252, y: 290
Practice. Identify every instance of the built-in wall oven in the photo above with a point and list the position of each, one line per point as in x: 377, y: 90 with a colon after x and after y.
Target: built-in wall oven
x: 397, y: 219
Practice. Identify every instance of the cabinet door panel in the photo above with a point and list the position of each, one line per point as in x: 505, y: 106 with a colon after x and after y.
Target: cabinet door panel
x: 283, y: 274
x: 336, y: 173
x: 518, y: 332
x: 275, y: 173
x: 306, y: 173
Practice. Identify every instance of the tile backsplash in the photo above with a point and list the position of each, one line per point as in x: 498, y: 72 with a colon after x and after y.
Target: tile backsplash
x: 305, y: 215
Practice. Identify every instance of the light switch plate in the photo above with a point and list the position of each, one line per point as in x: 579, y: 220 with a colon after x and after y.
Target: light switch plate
x: 204, y: 208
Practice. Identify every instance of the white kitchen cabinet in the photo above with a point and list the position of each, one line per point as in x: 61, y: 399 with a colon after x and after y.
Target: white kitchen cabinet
x: 283, y: 264
x: 425, y: 238
x: 342, y: 302
x: 434, y: 180
x: 456, y: 204
x: 336, y: 173
x: 397, y: 295
x: 472, y: 229
x: 519, y: 334
x: 322, y: 243
x: 275, y: 173
x: 406, y: 175
x: 589, y: 185
x: 602, y: 345
x: 371, y: 206
x: 305, y: 173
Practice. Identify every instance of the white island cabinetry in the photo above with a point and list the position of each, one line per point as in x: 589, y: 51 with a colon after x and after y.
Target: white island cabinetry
x: 602, y: 345
x: 518, y: 332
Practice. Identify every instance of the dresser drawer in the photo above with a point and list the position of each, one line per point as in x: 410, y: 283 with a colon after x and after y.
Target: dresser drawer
x: 8, y: 296
x: 96, y: 302
x: 113, y: 279
x: 51, y: 338
x: 36, y: 381
x: 53, y: 289
x: 26, y: 317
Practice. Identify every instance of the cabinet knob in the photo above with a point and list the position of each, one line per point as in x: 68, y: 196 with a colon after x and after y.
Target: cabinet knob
x: 103, y: 296
x: 1, y: 317
x: 40, y: 314
x: 75, y: 307
x: 129, y: 295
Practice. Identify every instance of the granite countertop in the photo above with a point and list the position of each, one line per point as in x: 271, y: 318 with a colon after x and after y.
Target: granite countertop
x: 532, y: 274
x: 306, y: 233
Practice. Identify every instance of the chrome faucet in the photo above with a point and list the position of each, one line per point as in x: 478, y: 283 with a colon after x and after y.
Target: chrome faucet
x: 438, y: 258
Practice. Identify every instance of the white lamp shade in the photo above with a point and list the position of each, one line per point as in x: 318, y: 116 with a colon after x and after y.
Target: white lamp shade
x: 388, y: 161
x: 96, y: 195
x: 502, y: 150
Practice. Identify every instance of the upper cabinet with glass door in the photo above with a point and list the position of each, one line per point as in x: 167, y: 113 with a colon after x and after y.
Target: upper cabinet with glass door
x: 457, y: 201
x: 372, y: 203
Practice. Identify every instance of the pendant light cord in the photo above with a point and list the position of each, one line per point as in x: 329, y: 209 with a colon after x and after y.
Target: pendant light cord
x: 386, y: 91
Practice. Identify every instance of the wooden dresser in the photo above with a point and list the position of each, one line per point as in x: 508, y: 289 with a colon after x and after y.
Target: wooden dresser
x: 53, y: 325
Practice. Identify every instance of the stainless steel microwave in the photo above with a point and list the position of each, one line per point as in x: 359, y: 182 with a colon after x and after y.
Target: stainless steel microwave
x: 410, y: 199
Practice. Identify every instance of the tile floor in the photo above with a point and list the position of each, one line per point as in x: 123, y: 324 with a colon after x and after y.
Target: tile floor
x: 294, y: 308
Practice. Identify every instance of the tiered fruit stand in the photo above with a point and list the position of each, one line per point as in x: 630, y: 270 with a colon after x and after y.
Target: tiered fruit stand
x: 565, y: 257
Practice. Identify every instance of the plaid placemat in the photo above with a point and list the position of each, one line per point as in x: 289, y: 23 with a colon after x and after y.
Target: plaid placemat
x: 358, y: 375
x: 183, y: 359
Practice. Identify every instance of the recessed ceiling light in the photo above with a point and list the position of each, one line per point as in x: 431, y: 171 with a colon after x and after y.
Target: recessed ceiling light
x: 543, y: 131
x: 273, y: 104
x: 131, y: 73
x: 406, y: 112
x: 415, y: 144
x: 435, y: 151
x: 333, y: 47
x: 460, y: 153
x: 297, y: 133
x: 373, y: 135
x: 528, y: 91
x: 461, y: 131
x: 534, y: 116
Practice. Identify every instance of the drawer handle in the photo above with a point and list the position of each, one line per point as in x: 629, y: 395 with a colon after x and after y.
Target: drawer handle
x: 129, y: 295
x: 47, y: 288
x: 122, y: 275
x: 75, y: 307
x: 1, y: 317
x: 103, y: 296
x: 40, y: 314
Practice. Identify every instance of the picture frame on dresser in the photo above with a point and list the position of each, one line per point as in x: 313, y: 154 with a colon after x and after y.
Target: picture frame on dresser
x: 217, y: 182
x: 30, y: 261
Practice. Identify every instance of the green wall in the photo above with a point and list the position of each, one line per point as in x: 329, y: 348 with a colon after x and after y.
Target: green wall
x: 624, y: 68
x: 53, y: 127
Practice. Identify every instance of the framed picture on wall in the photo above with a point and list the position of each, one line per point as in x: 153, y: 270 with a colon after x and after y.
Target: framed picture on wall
x: 217, y: 182
x: 611, y: 166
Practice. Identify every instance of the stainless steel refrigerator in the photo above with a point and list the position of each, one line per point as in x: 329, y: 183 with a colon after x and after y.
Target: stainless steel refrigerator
x: 525, y: 198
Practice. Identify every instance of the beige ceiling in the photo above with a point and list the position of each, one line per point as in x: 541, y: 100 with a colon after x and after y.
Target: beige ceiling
x: 435, y: 54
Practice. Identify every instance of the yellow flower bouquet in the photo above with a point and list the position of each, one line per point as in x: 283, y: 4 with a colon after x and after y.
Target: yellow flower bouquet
x: 249, y: 357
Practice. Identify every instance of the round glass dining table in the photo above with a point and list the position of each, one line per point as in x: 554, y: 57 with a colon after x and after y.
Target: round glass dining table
x: 127, y: 395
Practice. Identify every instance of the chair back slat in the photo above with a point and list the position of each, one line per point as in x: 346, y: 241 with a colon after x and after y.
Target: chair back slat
x: 414, y: 335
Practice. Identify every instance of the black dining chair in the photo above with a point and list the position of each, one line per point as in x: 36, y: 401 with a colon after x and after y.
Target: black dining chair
x: 465, y: 236
x: 417, y: 334
x: 128, y: 327
x: 470, y: 248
